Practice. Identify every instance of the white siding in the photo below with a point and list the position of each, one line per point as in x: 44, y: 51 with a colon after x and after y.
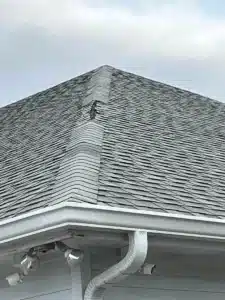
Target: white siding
x: 176, y: 277
x: 166, y: 288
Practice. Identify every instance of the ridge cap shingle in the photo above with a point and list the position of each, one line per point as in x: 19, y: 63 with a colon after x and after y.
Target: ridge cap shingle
x: 77, y: 179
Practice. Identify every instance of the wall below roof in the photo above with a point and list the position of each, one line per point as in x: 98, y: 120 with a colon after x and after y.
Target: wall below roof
x: 52, y: 281
x: 177, y: 276
x: 167, y: 289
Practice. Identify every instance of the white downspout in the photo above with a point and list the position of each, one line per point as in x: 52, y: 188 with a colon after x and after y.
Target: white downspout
x: 131, y: 263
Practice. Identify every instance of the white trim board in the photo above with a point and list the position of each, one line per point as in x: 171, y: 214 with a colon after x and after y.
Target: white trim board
x: 55, y: 222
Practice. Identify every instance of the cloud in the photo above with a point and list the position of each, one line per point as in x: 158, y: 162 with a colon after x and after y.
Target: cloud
x: 44, y: 42
x: 173, y: 29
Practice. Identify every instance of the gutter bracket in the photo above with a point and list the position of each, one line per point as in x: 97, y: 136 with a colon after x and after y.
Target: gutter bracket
x: 130, y: 264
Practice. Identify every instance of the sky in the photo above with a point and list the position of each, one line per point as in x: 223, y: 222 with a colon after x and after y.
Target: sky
x: 45, y: 42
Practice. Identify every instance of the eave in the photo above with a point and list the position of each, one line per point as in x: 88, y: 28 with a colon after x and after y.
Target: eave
x: 61, y: 220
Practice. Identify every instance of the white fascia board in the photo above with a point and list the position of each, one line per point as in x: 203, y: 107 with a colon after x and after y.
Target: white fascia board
x: 56, y: 222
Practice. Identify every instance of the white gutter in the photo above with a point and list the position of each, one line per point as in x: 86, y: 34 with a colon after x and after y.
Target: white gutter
x: 54, y: 222
x: 131, y: 263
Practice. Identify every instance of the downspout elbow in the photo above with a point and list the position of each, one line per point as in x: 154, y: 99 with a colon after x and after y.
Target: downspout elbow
x: 131, y: 263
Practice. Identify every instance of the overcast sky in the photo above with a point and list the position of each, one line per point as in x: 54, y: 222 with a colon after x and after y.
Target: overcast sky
x: 45, y: 42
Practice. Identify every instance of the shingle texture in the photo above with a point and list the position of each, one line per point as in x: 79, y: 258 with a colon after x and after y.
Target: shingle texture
x: 154, y: 147
x: 163, y: 149
x: 34, y: 134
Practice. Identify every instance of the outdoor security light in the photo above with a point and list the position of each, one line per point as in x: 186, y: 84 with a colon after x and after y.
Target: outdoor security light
x: 73, y: 256
x: 29, y: 262
x: 14, y: 279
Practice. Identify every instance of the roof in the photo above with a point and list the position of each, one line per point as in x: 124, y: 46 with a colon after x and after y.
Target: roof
x: 111, y: 138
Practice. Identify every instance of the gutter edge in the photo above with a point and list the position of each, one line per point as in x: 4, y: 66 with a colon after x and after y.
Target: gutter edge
x: 67, y: 216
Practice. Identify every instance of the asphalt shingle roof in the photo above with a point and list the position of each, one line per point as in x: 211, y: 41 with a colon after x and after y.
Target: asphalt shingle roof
x: 34, y: 133
x: 163, y: 148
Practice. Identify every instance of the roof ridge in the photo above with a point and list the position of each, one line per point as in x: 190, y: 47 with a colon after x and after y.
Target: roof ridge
x: 97, y: 91
x: 170, y: 86
x: 77, y: 178
x: 98, y: 86
x: 100, y: 70
x: 54, y: 86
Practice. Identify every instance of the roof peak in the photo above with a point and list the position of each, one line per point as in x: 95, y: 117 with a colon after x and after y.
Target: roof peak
x: 100, y: 69
x: 142, y: 136
x: 110, y: 69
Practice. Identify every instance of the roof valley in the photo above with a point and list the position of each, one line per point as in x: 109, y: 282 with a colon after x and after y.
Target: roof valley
x: 77, y: 179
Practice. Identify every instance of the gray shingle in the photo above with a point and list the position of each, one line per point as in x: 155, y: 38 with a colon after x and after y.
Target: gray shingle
x: 34, y: 134
x: 165, y: 142
x: 163, y: 149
